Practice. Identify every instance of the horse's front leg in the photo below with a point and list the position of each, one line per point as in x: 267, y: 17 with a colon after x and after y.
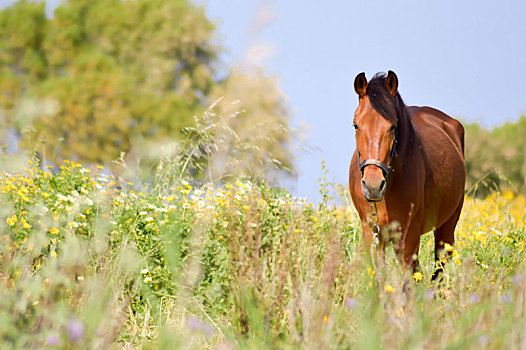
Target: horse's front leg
x: 410, y: 247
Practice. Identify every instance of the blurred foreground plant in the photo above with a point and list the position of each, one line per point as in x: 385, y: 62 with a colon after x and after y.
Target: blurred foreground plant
x: 90, y: 260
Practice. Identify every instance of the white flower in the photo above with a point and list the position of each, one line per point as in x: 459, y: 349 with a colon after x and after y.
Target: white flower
x: 144, y: 271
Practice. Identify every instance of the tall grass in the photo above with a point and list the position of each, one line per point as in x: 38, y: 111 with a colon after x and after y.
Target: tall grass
x: 90, y: 260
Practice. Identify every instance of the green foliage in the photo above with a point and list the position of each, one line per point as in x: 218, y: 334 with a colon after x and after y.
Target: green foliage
x: 120, y: 71
x: 496, y: 159
x: 103, y: 78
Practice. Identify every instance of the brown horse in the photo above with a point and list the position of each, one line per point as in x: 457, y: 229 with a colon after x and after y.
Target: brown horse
x: 409, y: 162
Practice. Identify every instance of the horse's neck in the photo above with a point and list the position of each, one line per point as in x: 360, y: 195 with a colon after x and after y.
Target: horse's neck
x: 407, y: 140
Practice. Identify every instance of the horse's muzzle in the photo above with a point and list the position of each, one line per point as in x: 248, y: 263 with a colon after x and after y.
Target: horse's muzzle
x: 374, y: 189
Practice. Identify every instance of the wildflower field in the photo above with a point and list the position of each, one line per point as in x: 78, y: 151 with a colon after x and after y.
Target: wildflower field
x: 88, y: 260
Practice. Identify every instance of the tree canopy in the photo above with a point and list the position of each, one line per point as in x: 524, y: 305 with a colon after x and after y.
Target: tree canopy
x: 496, y: 159
x: 115, y: 76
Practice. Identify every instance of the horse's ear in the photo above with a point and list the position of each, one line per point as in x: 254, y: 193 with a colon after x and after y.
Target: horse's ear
x: 360, y: 84
x: 391, y: 83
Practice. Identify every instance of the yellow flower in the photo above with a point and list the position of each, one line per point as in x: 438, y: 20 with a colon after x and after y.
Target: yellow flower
x: 507, y: 195
x: 418, y: 276
x: 12, y: 220
x: 448, y: 247
x: 389, y: 288
x: 53, y: 230
x: 314, y: 218
x: 25, y: 224
x: 371, y: 272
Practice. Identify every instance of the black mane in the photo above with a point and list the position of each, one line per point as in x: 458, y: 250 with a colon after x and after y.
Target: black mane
x: 390, y: 107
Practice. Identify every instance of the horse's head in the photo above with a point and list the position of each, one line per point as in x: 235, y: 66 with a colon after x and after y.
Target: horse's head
x: 375, y: 122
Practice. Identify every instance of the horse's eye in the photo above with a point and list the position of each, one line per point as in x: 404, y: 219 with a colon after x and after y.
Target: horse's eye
x: 392, y: 129
x: 356, y: 126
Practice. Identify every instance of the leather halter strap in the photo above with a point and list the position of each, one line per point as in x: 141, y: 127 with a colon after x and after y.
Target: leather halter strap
x: 386, y: 169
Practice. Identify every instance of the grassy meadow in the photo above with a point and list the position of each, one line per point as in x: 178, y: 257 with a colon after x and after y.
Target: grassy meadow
x: 88, y: 260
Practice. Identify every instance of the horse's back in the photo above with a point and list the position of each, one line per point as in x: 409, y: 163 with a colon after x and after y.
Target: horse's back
x: 441, y: 140
x: 428, y: 121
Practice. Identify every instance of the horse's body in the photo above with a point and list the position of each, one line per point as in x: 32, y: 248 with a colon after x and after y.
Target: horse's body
x: 424, y: 187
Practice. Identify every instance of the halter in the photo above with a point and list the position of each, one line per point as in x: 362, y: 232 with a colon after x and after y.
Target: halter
x: 386, y: 169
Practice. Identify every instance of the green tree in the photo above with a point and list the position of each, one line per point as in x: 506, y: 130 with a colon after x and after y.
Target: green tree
x: 119, y: 70
x: 496, y: 159
x: 22, y: 57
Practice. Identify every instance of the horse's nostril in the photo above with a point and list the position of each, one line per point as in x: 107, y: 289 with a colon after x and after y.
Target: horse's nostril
x: 382, y: 185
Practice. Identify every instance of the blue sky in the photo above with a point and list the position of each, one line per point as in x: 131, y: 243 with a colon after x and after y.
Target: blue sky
x: 466, y: 58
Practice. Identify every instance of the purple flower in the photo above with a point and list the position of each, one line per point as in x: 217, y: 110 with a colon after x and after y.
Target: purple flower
x: 197, y: 325
x: 76, y: 330
x: 52, y: 340
x: 483, y: 340
x: 429, y: 294
x: 474, y: 298
x: 350, y: 303
x: 506, y: 299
